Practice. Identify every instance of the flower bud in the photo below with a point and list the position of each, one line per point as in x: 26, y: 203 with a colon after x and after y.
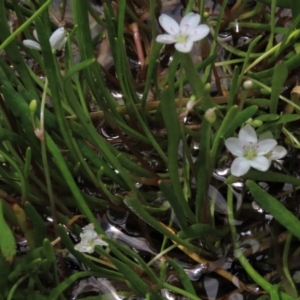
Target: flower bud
x: 207, y: 87
x: 33, y: 106
x: 58, y: 38
x: 248, y: 84
x: 256, y: 123
x: 210, y: 115
x: 191, y: 103
x: 205, y: 15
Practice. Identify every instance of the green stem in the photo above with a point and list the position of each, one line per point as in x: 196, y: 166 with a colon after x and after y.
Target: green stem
x: 44, y: 158
x: 15, y: 286
x: 285, y: 264
x: 180, y: 291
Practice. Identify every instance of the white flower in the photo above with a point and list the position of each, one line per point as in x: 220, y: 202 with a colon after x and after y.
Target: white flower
x: 252, y: 152
x: 57, y: 40
x: 277, y: 152
x: 89, y: 239
x: 183, y: 35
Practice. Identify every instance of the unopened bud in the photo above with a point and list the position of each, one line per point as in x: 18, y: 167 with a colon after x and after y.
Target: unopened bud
x: 191, y: 103
x: 33, y: 106
x: 248, y: 84
x: 205, y: 15
x: 256, y: 123
x: 207, y: 87
x: 210, y: 115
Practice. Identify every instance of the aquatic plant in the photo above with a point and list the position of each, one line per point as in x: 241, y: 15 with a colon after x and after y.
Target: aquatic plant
x: 113, y: 143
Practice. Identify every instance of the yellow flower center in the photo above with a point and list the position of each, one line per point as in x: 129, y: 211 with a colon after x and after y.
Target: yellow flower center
x: 250, y: 152
x: 182, y: 38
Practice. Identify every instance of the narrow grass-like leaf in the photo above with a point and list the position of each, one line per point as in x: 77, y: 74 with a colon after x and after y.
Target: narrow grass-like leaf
x: 198, y: 230
x: 233, y: 88
x: 239, y: 120
x: 278, y: 79
x: 266, y: 176
x: 204, y: 165
x: 19, y: 108
x: 48, y: 251
x: 171, y: 196
x: 134, y: 204
x: 7, y: 240
x: 196, y: 83
x: 67, y: 282
x: 228, y: 120
x: 282, y: 120
x: 184, y: 279
x: 136, y: 257
x: 268, y: 117
x: 60, y: 162
x: 5, y: 269
x: 78, y: 67
x: 207, y: 62
x: 275, y: 208
x: 8, y: 42
x: 295, y: 8
x: 291, y: 63
x: 25, y: 225
x: 39, y: 227
x: 134, y: 280
x: 29, y: 262
x: 171, y: 121
x: 238, y: 253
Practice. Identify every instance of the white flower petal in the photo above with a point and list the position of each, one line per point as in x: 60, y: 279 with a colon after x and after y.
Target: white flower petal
x: 35, y: 35
x: 32, y: 44
x: 57, y: 38
x: 260, y: 163
x: 198, y: 33
x: 277, y: 153
x: 240, y: 166
x: 100, y: 242
x: 265, y: 146
x: 165, y: 39
x: 184, y: 47
x: 88, y: 232
x: 234, y: 145
x: 189, y: 21
x: 248, y: 134
x: 169, y: 24
x: 265, y: 136
x: 83, y: 247
x: 62, y: 43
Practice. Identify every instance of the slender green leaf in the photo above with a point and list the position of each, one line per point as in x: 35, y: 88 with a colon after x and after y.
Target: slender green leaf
x: 278, y: 79
x: 275, y: 208
x: 7, y: 240
x: 39, y: 227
